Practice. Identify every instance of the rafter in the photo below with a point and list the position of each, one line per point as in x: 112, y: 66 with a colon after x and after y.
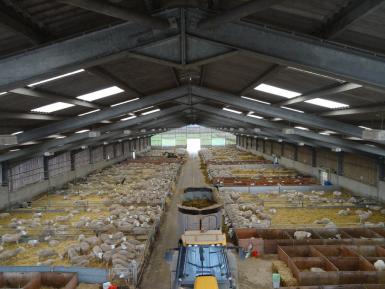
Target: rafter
x: 324, y: 91
x: 108, y: 9
x: 238, y: 12
x: 56, y: 97
x: 21, y: 24
x: 89, y: 119
x: 354, y: 12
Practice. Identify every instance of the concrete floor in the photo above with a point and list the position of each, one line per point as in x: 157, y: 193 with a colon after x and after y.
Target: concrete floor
x: 253, y: 273
x: 157, y: 273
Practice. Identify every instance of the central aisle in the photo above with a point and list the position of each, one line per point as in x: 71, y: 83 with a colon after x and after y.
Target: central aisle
x: 157, y: 273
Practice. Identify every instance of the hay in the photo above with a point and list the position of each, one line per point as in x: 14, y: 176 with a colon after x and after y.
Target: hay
x: 287, y: 278
x: 304, y: 216
x: 88, y: 286
x: 199, y: 204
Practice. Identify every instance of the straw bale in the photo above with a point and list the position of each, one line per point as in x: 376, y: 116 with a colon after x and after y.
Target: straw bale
x: 287, y: 278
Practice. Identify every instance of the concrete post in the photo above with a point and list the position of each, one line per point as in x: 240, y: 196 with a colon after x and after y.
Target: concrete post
x: 295, y: 153
x: 72, y: 160
x: 46, y: 167
x: 381, y: 169
x: 4, y: 173
x: 340, y: 163
x: 90, y: 155
x: 313, y: 157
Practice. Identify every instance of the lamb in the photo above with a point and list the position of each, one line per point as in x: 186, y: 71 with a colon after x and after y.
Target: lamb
x: 4, y: 215
x: 337, y: 194
x: 46, y: 253
x: 12, y: 238
x: 301, y: 235
x: 7, y: 254
x: 344, y: 212
x: 379, y: 265
x: 364, y: 216
x: 33, y: 243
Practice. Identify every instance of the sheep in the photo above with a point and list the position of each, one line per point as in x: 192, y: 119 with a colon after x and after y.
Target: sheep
x: 301, y: 235
x: 316, y: 270
x: 4, y: 215
x: 53, y: 243
x: 46, y: 253
x: 33, y: 243
x: 7, y: 254
x: 12, y: 238
x: 337, y: 194
x: 364, y: 216
x: 344, y: 212
x: 379, y: 265
x: 98, y: 252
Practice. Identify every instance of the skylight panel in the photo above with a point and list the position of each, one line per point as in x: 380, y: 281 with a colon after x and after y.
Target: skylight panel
x: 364, y: 127
x: 4, y: 92
x: 151, y: 111
x: 55, y: 77
x: 52, y: 107
x: 301, y: 128
x: 354, y: 138
x: 123, y: 102
x: 100, y: 93
x: 129, y: 117
x: 256, y: 100
x: 83, y: 130
x: 232, y: 110
x: 144, y: 108
x: 277, y: 119
x: 17, y: 132
x: 326, y: 103
x: 292, y: 109
x: 89, y: 112
x: 14, y: 150
x: 277, y: 90
x: 255, y: 116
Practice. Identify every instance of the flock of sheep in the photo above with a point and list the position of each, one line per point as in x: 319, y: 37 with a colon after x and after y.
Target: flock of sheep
x: 106, y: 220
x: 255, y: 213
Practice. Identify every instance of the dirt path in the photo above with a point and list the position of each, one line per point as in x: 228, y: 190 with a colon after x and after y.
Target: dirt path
x: 157, y: 273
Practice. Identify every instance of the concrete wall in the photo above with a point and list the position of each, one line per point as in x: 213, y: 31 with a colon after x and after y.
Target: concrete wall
x: 324, y: 159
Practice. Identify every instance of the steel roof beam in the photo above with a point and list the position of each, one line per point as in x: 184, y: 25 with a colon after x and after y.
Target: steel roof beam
x: 108, y: 9
x: 272, y: 126
x: 31, y: 116
x: 351, y: 14
x: 56, y: 97
x: 325, y: 91
x: 354, y: 110
x: 104, y: 74
x: 163, y: 115
x: 288, y: 48
x: 269, y: 73
x: 83, y: 51
x: 264, y: 109
x: 21, y: 24
x: 237, y: 13
x: 89, y: 119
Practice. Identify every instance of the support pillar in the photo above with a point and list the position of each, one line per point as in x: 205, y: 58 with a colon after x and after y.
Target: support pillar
x: 295, y: 153
x: 72, y: 160
x: 313, y: 157
x: 263, y: 146
x: 4, y: 173
x: 381, y: 169
x: 46, y: 167
x: 340, y: 163
x: 90, y: 155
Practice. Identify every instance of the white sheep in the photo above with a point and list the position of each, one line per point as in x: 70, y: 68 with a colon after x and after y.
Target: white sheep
x: 301, y: 235
x: 379, y: 265
x: 12, y: 238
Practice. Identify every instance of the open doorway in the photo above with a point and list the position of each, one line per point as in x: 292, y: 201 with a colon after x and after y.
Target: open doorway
x: 193, y: 145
